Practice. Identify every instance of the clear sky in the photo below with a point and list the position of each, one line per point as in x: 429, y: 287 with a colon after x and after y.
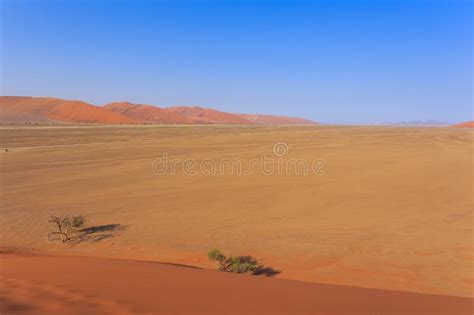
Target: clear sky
x: 331, y: 61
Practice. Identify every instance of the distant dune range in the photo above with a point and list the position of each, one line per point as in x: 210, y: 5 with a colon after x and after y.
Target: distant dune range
x: 48, y: 110
x: 16, y: 109
x: 467, y: 124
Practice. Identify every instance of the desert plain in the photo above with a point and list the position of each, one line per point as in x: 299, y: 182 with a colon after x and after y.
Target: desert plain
x: 389, y: 207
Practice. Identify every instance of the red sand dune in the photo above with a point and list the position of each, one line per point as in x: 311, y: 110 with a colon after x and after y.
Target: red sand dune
x: 16, y: 109
x: 467, y: 124
x: 277, y: 120
x: 147, y: 113
x: 39, y: 109
x: 79, y: 285
x: 208, y: 116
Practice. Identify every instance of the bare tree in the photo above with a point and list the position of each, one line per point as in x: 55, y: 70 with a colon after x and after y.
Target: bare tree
x: 64, y: 226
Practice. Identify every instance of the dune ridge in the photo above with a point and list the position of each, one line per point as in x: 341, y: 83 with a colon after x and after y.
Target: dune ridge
x: 45, y: 110
x: 211, y: 116
x: 467, y: 124
x: 147, y: 113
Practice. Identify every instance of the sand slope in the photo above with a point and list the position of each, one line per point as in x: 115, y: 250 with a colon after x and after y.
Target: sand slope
x: 72, y: 285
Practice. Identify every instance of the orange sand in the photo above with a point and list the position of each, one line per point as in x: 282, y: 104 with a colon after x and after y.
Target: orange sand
x: 467, y: 124
x: 393, y: 209
x: 72, y: 285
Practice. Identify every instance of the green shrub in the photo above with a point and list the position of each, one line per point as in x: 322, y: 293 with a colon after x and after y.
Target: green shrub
x: 237, y: 264
x: 219, y: 258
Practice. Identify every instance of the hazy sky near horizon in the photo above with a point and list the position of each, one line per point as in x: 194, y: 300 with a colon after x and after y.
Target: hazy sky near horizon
x: 331, y: 61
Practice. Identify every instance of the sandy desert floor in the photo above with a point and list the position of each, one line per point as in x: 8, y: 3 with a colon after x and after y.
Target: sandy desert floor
x: 391, y: 208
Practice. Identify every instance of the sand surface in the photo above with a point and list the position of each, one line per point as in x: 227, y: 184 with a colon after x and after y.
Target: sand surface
x: 392, y: 209
x: 78, y: 285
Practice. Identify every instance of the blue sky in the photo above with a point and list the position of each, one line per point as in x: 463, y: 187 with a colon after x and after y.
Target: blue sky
x: 331, y: 61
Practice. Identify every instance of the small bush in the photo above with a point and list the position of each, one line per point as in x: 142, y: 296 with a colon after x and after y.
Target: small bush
x: 78, y: 222
x: 217, y: 256
x: 237, y: 264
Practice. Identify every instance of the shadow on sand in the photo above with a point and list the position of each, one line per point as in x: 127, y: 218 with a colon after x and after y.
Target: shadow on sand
x: 91, y: 234
x: 97, y: 233
x: 266, y: 271
x: 260, y: 268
